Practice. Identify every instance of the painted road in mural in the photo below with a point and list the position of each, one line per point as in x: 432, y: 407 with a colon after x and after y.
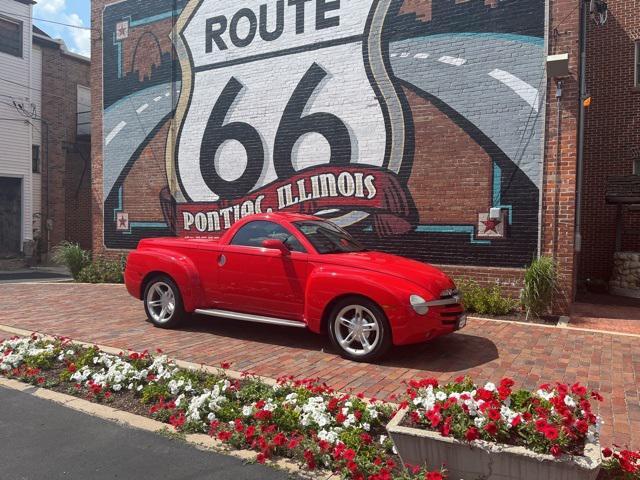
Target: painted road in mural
x: 417, y: 125
x: 129, y: 122
x: 468, y: 72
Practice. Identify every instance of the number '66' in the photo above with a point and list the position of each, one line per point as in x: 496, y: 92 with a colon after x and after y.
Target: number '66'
x: 292, y: 126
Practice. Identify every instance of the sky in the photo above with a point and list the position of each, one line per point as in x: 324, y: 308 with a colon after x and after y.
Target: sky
x: 73, y: 12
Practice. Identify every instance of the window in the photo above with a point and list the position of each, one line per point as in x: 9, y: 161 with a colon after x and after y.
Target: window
x: 327, y: 237
x: 35, y: 158
x: 254, y: 233
x: 636, y: 81
x: 11, y: 36
x: 83, y: 110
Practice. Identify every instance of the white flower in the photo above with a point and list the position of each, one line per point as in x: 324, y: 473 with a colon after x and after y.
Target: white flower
x: 117, y: 387
x: 382, y: 439
x: 441, y: 396
x: 328, y: 436
x: 366, y: 427
x: 569, y: 401
x: 478, y: 421
x: 491, y: 387
x: 247, y: 410
x: 545, y: 395
x: 139, y: 388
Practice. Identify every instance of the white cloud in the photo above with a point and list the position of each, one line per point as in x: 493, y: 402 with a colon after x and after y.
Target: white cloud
x: 78, y: 40
x: 51, y: 7
x: 81, y: 37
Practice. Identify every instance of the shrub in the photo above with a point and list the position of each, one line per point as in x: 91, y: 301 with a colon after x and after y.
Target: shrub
x: 103, y: 271
x: 486, y: 300
x: 540, y: 280
x: 72, y: 256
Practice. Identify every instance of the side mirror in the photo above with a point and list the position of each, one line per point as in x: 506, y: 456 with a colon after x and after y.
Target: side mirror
x: 273, y: 244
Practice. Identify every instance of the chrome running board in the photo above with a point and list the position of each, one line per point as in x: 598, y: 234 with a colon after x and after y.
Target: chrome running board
x: 246, y: 317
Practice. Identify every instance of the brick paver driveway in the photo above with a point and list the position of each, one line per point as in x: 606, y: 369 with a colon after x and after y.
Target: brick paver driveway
x: 487, y: 350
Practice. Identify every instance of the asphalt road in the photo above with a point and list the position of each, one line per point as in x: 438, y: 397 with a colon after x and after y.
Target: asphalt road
x: 40, y: 439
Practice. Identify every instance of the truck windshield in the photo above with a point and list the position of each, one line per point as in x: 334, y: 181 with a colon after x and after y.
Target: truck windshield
x: 327, y: 237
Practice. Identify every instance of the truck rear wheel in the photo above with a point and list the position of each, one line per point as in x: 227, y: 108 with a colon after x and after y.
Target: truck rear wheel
x: 359, y: 329
x: 163, y: 302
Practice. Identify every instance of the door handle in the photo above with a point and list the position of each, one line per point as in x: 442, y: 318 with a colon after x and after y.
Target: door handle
x: 222, y: 260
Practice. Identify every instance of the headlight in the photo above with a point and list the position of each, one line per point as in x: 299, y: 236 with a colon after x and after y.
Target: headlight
x: 419, y: 304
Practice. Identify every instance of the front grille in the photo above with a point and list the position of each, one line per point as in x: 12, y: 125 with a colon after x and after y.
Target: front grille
x: 451, y: 313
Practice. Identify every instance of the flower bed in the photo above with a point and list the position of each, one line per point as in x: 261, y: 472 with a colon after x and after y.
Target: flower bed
x: 309, y: 422
x: 301, y: 420
x: 555, y: 419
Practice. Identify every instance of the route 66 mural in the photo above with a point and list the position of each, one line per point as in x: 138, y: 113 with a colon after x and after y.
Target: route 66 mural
x: 415, y: 125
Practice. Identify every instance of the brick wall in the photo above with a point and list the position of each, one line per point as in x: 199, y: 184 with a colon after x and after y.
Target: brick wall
x: 63, y: 183
x: 561, y: 150
x: 466, y: 100
x: 612, y: 136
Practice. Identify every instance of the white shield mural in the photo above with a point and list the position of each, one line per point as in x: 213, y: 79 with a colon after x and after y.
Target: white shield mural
x: 272, y: 90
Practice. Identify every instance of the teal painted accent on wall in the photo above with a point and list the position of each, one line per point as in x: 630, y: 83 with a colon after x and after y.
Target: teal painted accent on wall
x: 453, y: 229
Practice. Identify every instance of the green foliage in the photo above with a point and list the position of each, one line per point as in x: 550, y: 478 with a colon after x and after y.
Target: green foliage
x: 72, y: 256
x: 540, y: 280
x: 103, y: 271
x: 486, y: 300
x: 152, y: 392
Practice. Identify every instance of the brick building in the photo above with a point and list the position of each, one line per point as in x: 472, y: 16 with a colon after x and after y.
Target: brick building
x: 66, y: 119
x: 432, y: 129
x: 612, y: 138
x: 45, y: 160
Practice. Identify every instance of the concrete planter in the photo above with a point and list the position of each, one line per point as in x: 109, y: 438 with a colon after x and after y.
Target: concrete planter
x: 485, y: 460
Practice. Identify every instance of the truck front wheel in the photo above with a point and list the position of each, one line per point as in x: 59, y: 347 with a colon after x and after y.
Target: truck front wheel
x: 359, y: 329
x: 163, y: 302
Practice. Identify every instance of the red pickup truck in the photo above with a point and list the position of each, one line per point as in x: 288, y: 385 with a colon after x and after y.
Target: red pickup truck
x: 296, y: 271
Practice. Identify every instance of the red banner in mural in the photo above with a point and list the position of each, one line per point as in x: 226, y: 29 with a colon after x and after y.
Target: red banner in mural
x: 377, y: 192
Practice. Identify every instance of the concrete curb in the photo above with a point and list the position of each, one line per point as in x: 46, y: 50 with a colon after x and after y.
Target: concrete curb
x: 127, y: 419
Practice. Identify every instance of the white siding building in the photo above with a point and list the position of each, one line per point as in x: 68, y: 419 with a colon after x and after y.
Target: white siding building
x: 17, y: 133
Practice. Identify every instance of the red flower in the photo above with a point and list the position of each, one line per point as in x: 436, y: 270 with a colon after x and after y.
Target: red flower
x: 556, y: 450
x: 324, y: 445
x: 224, y: 436
x: 72, y: 367
x: 472, y: 434
x: 352, y: 466
x: 491, y: 428
x: 225, y: 365
x: 596, y: 396
x: 263, y: 415
x: 551, y: 432
x: 517, y: 420
x: 541, y: 424
x: 494, y: 414
x: 434, y: 476
x: 340, y: 418
x: 261, y: 458
x: 606, y: 452
x: 349, y: 454
x: 578, y: 389
x: 366, y: 438
x: 582, y: 426
x: 41, y: 380
x: 279, y: 439
x: 507, y: 383
x: 310, y: 459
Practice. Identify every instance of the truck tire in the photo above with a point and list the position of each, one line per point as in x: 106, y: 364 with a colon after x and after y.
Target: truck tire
x: 359, y: 329
x: 163, y: 302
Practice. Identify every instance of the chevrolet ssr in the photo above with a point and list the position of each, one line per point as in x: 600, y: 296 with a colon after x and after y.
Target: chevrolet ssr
x: 297, y: 271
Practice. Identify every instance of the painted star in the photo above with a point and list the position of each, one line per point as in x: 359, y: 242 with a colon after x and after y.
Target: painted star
x: 491, y: 225
x: 122, y: 222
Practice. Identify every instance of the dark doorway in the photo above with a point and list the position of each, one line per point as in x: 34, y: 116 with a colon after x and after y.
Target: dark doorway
x: 10, y: 215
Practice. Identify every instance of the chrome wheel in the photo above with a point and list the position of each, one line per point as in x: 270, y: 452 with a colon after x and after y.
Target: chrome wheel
x: 161, y: 302
x: 357, y: 330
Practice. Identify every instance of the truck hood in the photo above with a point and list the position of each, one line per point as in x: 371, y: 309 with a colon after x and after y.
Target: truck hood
x: 422, y: 274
